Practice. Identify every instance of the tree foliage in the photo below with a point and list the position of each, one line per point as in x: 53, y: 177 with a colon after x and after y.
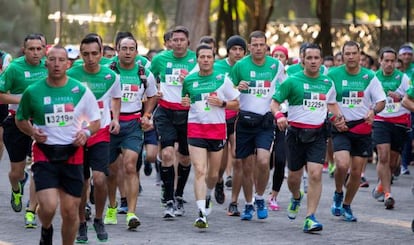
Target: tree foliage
x: 17, y: 20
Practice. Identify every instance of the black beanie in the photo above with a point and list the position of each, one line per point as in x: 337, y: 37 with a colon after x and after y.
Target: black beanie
x: 236, y: 40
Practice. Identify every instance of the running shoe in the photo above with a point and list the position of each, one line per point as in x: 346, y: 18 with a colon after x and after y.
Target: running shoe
x: 261, y: 209
x: 82, y: 233
x: 273, y: 205
x: 201, y: 221
x: 311, y: 224
x: 389, y: 201
x: 110, y: 216
x: 364, y: 182
x: 123, y: 208
x: 336, y: 208
x: 30, y: 219
x: 348, y: 216
x: 232, y: 210
x: 219, y: 193
x: 147, y: 168
x: 179, y: 211
x: 229, y: 182
x: 209, y: 205
x: 247, y: 212
x: 132, y: 221
x: 379, y: 196
x: 169, y: 210
x: 405, y: 171
x: 294, y: 206
x: 99, y: 227
x: 16, y: 199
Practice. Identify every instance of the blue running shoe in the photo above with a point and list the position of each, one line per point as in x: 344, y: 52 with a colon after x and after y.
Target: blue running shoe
x: 348, y: 216
x: 261, y: 209
x: 336, y: 208
x: 247, y: 213
x: 311, y: 224
x: 123, y: 208
x: 293, y: 207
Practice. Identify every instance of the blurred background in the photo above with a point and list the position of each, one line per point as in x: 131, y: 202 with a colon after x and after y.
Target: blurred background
x: 373, y: 23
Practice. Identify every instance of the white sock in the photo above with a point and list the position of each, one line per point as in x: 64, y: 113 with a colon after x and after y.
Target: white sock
x: 201, y: 204
x: 209, y: 191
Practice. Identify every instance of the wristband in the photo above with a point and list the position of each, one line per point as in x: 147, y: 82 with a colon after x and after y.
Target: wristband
x: 224, y: 104
x: 87, y: 132
x: 279, y: 115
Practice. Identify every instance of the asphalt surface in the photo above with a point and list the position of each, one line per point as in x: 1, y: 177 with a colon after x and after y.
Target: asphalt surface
x: 375, y: 224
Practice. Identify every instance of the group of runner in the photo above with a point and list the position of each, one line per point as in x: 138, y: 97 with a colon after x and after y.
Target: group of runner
x: 93, y: 117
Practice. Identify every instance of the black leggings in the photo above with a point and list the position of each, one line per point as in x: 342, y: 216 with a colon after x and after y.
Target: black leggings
x: 278, y: 159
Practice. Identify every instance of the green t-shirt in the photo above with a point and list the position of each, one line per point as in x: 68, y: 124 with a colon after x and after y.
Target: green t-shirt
x: 18, y: 76
x: 99, y: 83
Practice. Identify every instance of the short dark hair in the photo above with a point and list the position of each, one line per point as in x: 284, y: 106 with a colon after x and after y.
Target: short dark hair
x: 92, y: 38
x: 207, y: 39
x: 387, y: 50
x: 108, y: 48
x: 351, y: 44
x: 201, y: 47
x: 32, y: 36
x: 41, y: 35
x: 58, y: 46
x: 130, y: 38
x: 312, y: 46
x: 257, y: 34
x: 167, y: 36
x: 120, y: 35
x: 328, y: 57
x: 181, y: 29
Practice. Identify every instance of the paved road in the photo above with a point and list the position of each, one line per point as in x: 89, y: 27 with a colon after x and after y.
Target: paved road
x: 375, y: 224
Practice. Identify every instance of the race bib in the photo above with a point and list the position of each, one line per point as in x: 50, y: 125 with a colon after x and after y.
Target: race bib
x: 173, y: 78
x: 314, y: 105
x: 59, y: 115
x: 260, y: 88
x: 202, y: 105
x: 391, y: 106
x: 353, y: 99
x: 129, y: 93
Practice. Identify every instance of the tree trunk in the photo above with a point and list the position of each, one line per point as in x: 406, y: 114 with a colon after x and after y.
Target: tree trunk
x: 324, y: 38
x: 195, y: 16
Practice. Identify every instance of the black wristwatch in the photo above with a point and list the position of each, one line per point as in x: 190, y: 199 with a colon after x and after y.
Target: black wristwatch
x: 224, y: 104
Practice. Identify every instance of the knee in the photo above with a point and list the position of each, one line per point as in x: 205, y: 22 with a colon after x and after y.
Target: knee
x: 199, y: 172
x: 70, y: 214
x: 167, y: 155
x: 130, y: 168
x: 99, y: 179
